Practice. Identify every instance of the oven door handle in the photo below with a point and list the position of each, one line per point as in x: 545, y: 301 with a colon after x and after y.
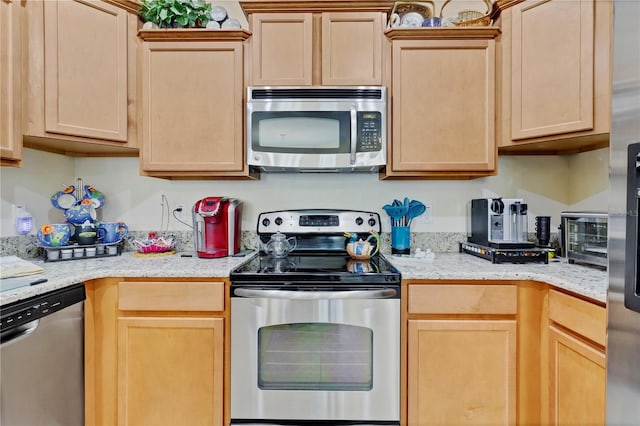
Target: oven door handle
x: 315, y: 295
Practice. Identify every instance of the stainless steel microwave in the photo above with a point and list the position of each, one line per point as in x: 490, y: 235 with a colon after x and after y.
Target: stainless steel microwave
x: 317, y: 128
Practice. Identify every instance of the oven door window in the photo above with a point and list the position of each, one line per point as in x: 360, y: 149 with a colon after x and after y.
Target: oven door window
x: 310, y: 132
x: 315, y: 356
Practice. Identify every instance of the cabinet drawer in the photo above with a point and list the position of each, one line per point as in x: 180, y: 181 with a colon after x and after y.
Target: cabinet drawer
x: 463, y: 299
x: 580, y: 316
x: 171, y: 296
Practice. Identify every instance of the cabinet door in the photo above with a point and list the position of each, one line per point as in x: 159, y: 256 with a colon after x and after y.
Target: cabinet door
x: 352, y: 48
x: 461, y: 372
x: 281, y: 49
x: 85, y: 69
x: 443, y: 106
x: 577, y: 379
x: 192, y: 107
x: 10, y: 82
x: 552, y: 67
x: 170, y: 371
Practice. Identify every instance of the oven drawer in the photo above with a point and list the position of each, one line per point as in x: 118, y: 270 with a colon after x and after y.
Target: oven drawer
x: 205, y: 296
x: 462, y: 299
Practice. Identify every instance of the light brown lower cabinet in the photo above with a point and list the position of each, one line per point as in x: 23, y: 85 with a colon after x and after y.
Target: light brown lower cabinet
x: 462, y: 372
x: 155, y: 352
x: 577, y: 361
x: 170, y: 370
x: 474, y: 353
x: 501, y: 353
x: 578, y: 376
x: 461, y: 356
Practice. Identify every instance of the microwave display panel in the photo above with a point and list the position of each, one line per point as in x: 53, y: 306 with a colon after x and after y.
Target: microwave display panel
x: 369, y: 131
x: 301, y: 131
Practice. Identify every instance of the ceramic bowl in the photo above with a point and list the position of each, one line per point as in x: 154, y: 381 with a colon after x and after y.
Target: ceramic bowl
x: 54, y: 234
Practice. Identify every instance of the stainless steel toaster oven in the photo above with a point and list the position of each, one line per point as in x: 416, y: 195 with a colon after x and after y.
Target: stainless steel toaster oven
x: 584, y: 237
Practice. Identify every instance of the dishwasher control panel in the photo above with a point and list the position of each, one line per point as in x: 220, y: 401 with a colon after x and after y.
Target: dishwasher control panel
x: 24, y: 311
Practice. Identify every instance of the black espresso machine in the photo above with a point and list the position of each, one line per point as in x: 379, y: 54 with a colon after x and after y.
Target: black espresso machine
x: 497, y: 230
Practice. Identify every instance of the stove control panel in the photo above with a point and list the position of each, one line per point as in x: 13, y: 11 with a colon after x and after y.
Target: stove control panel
x: 318, y: 221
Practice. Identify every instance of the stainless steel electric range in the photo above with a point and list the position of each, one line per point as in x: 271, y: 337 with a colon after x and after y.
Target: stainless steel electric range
x: 315, y: 335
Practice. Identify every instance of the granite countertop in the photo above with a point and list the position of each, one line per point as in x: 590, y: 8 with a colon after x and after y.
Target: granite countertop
x: 585, y: 281
x: 582, y: 280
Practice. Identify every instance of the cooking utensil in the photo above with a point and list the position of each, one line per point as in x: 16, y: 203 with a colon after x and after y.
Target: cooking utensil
x: 396, y: 213
x: 416, y: 208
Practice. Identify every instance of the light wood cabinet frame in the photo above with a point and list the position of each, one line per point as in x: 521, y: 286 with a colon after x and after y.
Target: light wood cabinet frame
x: 10, y: 83
x: 85, y: 83
x: 192, y: 117
x: 443, y: 103
x: 281, y: 49
x: 352, y: 48
x: 170, y: 370
x: 554, y: 76
x: 577, y: 380
x: 118, y: 326
x: 540, y: 99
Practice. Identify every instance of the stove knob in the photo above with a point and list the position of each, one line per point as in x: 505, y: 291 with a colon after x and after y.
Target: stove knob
x: 372, y: 222
x: 266, y: 222
x: 278, y: 221
x: 359, y: 221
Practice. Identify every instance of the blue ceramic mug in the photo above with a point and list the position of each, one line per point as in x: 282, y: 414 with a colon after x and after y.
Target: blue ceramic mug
x: 54, y: 234
x: 81, y: 213
x: 114, y: 231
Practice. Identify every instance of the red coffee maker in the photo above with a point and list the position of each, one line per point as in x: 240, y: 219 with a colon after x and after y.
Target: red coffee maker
x: 217, y: 226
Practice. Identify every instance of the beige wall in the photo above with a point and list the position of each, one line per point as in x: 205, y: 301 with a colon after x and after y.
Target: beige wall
x: 549, y: 184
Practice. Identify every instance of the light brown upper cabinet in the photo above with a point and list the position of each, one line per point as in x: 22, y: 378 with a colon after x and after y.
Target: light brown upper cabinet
x: 555, y: 83
x: 11, y: 82
x: 309, y: 43
x: 192, y: 105
x: 443, y: 109
x: 81, y: 73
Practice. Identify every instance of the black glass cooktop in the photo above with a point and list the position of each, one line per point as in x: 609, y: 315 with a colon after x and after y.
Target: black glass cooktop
x: 316, y: 268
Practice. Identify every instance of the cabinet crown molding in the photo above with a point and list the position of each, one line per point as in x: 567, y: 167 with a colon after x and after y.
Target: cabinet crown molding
x: 132, y: 6
x: 193, y: 34
x: 467, y: 33
x: 316, y: 6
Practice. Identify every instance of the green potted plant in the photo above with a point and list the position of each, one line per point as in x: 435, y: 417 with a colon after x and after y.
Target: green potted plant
x: 176, y: 13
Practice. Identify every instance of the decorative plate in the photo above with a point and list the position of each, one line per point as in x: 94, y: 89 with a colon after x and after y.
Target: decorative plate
x: 412, y: 14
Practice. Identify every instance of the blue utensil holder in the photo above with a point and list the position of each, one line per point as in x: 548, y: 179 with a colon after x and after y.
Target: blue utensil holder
x: 400, y: 240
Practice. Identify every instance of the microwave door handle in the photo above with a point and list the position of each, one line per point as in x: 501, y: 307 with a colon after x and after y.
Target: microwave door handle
x: 315, y: 295
x: 354, y: 135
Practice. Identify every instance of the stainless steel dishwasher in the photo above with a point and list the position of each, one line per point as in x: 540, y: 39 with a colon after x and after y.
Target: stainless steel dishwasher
x: 42, y: 359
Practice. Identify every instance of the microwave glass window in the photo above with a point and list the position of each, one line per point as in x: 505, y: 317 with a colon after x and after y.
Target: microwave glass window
x: 301, y: 132
x: 315, y: 356
x: 316, y: 132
